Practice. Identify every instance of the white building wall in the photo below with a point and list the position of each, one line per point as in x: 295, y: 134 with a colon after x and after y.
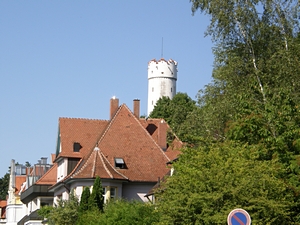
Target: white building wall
x: 62, y: 169
x: 78, y: 188
x: 162, y: 77
x: 130, y: 190
x: 14, y: 213
x: 136, y: 191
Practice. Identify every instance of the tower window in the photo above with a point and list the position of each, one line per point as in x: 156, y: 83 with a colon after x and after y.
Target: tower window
x: 162, y: 72
x: 152, y: 89
x: 171, y: 89
x: 152, y: 102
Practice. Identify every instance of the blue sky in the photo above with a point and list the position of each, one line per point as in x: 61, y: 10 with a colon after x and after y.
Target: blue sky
x: 68, y: 58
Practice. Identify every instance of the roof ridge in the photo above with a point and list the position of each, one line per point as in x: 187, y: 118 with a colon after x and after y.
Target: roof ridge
x: 94, y: 164
x: 73, y: 171
x: 45, y: 174
x: 105, y: 167
x: 110, y: 123
x: 177, y: 138
x: 113, y: 167
x: 80, y: 118
x: 149, y: 119
x: 147, y: 133
x: 81, y: 168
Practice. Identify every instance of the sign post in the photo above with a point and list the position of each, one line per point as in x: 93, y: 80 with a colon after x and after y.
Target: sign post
x: 238, y: 217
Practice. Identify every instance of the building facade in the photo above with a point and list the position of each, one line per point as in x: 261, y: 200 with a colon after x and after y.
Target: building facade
x: 129, y: 154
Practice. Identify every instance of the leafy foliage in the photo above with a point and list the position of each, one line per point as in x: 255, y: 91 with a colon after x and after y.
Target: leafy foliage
x: 248, y: 120
x: 96, y: 200
x: 84, y: 201
x: 211, y: 181
x: 122, y: 212
x: 175, y: 112
x: 4, y: 182
x: 64, y: 213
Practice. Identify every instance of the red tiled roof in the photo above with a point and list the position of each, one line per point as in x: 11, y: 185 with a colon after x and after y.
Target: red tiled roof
x: 173, y: 149
x: 154, y: 128
x: 98, y: 165
x: 49, y: 178
x: 83, y: 131
x: 3, y: 204
x: 20, y: 179
x: 126, y: 137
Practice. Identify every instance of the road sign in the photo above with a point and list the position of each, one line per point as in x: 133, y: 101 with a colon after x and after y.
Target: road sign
x: 238, y: 217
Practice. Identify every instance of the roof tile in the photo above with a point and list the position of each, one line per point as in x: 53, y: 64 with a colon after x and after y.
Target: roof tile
x: 83, y: 131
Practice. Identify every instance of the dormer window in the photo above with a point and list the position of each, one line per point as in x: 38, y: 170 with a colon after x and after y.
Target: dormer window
x: 119, y: 163
x: 76, y: 147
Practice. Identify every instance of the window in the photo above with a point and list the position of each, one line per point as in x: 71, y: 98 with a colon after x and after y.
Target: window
x: 76, y: 147
x: 119, y: 163
x: 171, y: 89
x: 23, y: 172
x: 162, y: 72
x: 104, y: 194
x: 109, y: 193
x: 152, y: 89
x: 113, y: 193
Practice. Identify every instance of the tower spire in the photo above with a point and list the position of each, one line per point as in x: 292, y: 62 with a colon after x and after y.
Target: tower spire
x: 162, y: 47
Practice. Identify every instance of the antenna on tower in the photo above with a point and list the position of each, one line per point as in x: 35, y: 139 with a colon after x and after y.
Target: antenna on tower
x: 162, y: 47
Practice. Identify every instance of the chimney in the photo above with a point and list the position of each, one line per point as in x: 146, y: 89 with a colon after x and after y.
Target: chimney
x: 136, y: 108
x: 114, y: 105
x: 162, y: 134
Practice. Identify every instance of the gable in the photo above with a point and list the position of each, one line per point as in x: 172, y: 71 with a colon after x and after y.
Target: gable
x: 126, y: 138
x: 83, y: 132
x: 161, y: 132
x: 97, y: 165
x: 50, y: 177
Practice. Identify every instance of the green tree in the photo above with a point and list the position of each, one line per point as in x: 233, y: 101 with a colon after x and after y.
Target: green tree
x: 214, y: 179
x: 255, y: 86
x: 96, y: 199
x: 4, y: 182
x: 84, y: 201
x: 64, y: 213
x: 122, y: 212
x: 249, y: 118
x: 175, y: 112
x: 162, y: 109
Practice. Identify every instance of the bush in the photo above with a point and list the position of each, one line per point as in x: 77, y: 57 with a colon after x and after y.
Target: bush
x: 121, y: 212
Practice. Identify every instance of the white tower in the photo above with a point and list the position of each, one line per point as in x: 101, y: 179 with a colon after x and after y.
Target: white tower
x: 162, y: 77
